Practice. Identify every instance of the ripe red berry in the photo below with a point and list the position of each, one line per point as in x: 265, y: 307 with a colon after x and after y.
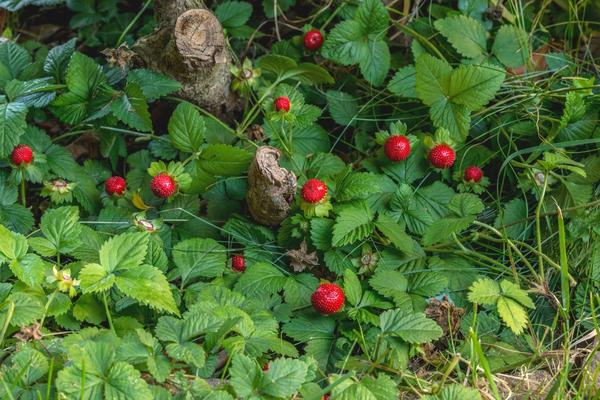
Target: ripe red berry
x: 442, y: 156
x: 22, y: 154
x: 282, y: 103
x: 265, y: 367
x: 238, y: 263
x: 397, y: 148
x: 328, y: 298
x: 473, y: 173
x: 326, y: 396
x: 314, y: 191
x: 115, y: 185
x: 163, y: 185
x: 313, y: 40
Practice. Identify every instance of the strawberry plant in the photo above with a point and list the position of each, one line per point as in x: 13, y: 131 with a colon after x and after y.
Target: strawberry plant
x: 289, y: 200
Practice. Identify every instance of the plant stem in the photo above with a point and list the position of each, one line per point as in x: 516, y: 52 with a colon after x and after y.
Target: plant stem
x: 23, y: 195
x: 133, y: 21
x: 110, y: 323
x: 9, y: 315
x: 484, y: 363
x: 538, y: 229
x: 50, y: 299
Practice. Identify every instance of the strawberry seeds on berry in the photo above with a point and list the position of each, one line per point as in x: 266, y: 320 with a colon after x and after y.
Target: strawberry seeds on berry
x: 282, y: 103
x: 238, y: 263
x: 328, y: 298
x: 115, y: 185
x: 397, y: 148
x: 163, y: 186
x: 473, y: 173
x: 442, y: 156
x: 22, y: 154
x: 313, y: 191
x: 313, y: 40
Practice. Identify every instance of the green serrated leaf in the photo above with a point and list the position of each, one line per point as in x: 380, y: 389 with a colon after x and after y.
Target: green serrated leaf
x: 225, y: 160
x: 352, y: 287
x: 199, y: 258
x: 284, y: 377
x: 513, y: 291
x: 261, y: 278
x: 473, y: 86
x: 132, y: 109
x: 465, y: 34
x: 513, y: 314
x: 149, y: 286
x: 124, y: 251
x: 153, y: 84
x: 352, y: 224
x: 485, y: 292
x: 511, y: 46
x: 187, y: 128
x: 233, y: 14
x: 410, y: 327
x: 12, y: 126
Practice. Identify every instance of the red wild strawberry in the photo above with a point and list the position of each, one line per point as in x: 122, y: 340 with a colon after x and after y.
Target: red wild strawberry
x: 473, y: 173
x: 328, y: 298
x: 238, y: 263
x: 313, y: 40
x: 115, y: 185
x: 22, y: 154
x: 163, y: 185
x: 397, y: 148
x: 282, y: 103
x: 265, y: 367
x: 442, y: 156
x: 314, y: 191
x: 326, y: 396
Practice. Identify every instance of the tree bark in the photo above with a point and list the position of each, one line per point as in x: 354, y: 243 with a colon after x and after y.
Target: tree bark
x: 188, y: 44
x: 271, y: 189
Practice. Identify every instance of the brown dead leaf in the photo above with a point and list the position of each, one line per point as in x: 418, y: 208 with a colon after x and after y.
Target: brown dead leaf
x: 300, y: 259
x: 445, y: 313
x: 28, y: 333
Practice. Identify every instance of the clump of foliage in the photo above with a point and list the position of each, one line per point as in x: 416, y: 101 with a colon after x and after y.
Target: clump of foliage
x: 442, y: 240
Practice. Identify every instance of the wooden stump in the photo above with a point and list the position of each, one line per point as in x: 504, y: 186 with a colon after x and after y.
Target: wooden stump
x: 188, y: 44
x: 271, y: 189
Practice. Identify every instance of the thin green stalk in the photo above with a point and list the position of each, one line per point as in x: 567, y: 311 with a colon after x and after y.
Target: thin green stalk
x: 50, y: 299
x: 49, y: 383
x: 225, y: 368
x: 484, y: 363
x: 108, y: 316
x: 82, y: 393
x: 564, y: 265
x: 133, y: 21
x: 447, y: 373
x: 340, y: 380
x: 23, y: 193
x: 508, y: 242
x: 9, y: 316
x: 538, y: 229
x: 7, y: 390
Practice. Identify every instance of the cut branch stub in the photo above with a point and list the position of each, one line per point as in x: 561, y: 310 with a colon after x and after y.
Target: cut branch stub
x: 199, y: 38
x: 188, y: 44
x: 271, y: 188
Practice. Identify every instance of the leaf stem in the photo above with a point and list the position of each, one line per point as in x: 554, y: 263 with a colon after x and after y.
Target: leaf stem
x: 133, y: 21
x: 50, y: 299
x: 108, y: 316
x: 538, y: 228
x: 9, y: 316
x: 23, y: 194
